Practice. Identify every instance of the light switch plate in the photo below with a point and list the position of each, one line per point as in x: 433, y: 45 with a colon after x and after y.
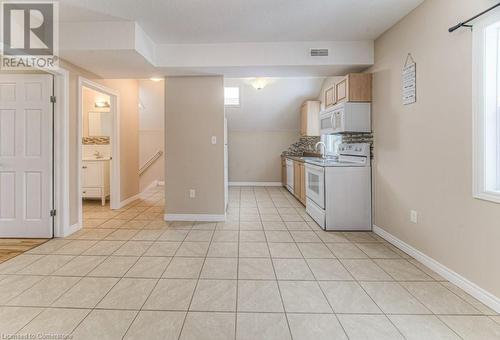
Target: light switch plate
x: 192, y: 193
x: 413, y: 216
x: 214, y: 140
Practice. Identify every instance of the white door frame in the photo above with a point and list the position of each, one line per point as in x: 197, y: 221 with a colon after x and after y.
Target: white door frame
x: 114, y: 139
x: 61, y: 153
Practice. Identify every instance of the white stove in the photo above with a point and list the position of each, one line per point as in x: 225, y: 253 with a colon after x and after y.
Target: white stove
x: 339, y: 190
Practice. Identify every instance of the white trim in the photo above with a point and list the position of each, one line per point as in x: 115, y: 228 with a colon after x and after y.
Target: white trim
x: 129, y: 200
x: 194, y: 217
x: 478, y: 124
x: 151, y: 185
x: 479, y: 293
x: 115, y: 144
x: 255, y: 184
x: 71, y: 229
x: 61, y: 153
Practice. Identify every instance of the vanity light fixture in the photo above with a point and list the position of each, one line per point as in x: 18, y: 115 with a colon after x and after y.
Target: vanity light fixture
x: 102, y: 104
x: 259, y: 83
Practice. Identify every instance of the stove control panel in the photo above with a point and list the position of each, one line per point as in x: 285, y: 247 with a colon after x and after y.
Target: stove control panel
x: 354, y: 149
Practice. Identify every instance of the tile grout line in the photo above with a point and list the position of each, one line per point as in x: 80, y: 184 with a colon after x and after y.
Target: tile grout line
x: 197, y: 281
x: 279, y: 287
x: 152, y: 290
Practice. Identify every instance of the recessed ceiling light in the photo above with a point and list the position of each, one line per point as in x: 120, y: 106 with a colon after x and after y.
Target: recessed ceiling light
x: 259, y: 83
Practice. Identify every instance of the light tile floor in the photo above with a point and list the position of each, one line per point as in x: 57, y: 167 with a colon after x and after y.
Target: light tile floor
x: 266, y: 273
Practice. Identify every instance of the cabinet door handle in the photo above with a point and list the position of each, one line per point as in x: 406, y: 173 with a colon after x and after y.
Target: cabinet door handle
x: 84, y: 167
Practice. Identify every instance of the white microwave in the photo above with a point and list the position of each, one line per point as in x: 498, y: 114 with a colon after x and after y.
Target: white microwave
x: 346, y: 117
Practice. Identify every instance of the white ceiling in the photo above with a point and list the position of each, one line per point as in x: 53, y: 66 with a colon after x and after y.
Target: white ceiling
x: 234, y: 38
x: 226, y: 21
x: 274, y: 108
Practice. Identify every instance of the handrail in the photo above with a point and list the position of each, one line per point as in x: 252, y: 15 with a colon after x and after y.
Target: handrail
x: 150, y: 162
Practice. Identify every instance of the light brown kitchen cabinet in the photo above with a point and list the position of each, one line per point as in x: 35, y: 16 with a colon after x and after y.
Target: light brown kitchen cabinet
x: 309, y: 118
x: 296, y: 179
x: 330, y: 99
x: 299, y: 181
x: 355, y: 87
x: 283, y: 171
x: 302, y: 197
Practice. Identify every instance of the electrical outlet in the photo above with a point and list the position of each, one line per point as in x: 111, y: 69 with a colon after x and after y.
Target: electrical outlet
x: 214, y: 140
x: 192, y: 193
x: 413, y: 216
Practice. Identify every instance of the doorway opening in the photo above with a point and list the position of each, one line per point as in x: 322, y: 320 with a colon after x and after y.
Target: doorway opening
x: 99, y: 175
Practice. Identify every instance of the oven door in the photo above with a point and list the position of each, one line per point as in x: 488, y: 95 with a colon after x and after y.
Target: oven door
x: 315, y: 184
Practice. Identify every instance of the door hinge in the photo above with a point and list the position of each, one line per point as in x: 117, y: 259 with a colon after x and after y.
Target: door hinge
x: 52, y: 213
x: 52, y: 99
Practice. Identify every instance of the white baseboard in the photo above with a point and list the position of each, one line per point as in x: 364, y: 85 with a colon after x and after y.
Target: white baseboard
x: 255, y: 184
x: 473, y: 289
x: 129, y: 200
x: 151, y: 185
x: 195, y: 217
x: 72, y: 229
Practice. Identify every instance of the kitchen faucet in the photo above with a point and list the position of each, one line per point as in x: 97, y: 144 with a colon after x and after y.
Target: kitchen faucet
x: 97, y: 154
x: 323, y: 154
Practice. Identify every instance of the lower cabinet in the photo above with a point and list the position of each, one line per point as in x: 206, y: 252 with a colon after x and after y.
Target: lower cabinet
x: 95, y: 180
x: 283, y: 171
x: 302, y: 198
x: 299, y: 182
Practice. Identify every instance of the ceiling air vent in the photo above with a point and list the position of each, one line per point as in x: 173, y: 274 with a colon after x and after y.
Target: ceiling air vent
x: 319, y: 52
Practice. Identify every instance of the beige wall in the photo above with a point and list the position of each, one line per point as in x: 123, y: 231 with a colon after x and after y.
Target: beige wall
x: 423, y: 155
x: 128, y: 90
x: 194, y: 111
x: 151, y: 130
x: 128, y: 130
x: 254, y: 156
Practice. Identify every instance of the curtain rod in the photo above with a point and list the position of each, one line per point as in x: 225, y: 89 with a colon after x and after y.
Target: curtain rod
x: 464, y: 24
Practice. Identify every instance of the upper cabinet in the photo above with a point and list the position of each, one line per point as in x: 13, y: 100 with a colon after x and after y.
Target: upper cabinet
x: 309, y: 118
x: 354, y: 87
x: 330, y: 97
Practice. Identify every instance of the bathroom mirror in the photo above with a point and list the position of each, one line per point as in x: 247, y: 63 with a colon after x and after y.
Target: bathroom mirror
x: 100, y: 124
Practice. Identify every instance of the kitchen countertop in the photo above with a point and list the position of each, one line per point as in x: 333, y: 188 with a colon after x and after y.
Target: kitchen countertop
x: 318, y: 161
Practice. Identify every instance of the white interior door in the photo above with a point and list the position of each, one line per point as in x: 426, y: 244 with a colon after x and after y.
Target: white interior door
x: 25, y: 156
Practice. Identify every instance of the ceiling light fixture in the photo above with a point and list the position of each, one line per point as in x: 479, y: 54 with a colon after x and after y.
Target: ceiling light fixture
x: 156, y: 79
x: 101, y: 104
x: 259, y: 83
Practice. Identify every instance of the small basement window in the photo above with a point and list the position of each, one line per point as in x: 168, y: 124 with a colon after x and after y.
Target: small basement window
x: 487, y: 109
x: 232, y: 96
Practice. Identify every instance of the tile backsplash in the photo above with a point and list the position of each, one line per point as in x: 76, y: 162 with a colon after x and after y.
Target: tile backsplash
x: 95, y: 140
x: 306, y: 144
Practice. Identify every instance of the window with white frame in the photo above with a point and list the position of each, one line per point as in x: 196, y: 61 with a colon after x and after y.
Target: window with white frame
x: 232, y: 96
x: 487, y: 109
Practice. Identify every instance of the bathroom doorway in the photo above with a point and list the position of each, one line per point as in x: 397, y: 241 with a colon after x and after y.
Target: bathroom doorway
x: 99, y: 151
